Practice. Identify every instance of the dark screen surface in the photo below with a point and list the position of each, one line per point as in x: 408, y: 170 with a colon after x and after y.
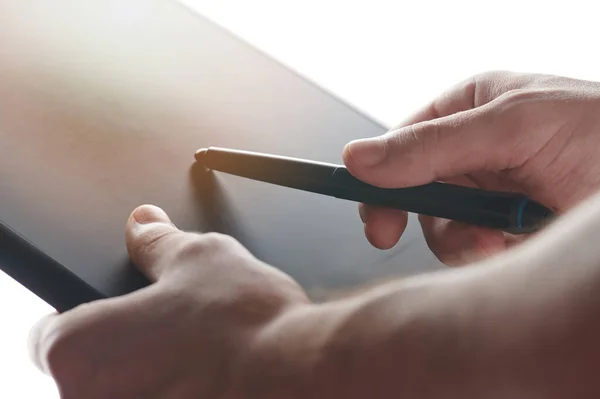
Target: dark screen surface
x: 102, y: 106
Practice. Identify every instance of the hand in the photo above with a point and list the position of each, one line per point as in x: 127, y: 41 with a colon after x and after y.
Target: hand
x: 185, y: 336
x: 535, y: 134
x: 217, y: 323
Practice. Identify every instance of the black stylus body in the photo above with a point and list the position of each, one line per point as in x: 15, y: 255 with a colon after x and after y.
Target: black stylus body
x: 510, y: 212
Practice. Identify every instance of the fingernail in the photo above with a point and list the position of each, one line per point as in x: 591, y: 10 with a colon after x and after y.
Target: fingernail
x: 367, y: 152
x: 146, y: 214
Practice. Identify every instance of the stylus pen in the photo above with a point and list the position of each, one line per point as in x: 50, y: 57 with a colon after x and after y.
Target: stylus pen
x: 510, y: 212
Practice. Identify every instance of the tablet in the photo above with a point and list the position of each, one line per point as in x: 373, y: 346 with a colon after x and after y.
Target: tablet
x: 102, y: 106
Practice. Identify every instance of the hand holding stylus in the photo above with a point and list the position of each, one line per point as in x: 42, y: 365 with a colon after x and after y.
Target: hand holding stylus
x: 532, y: 134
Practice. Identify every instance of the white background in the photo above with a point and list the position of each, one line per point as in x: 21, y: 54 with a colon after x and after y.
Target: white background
x: 385, y: 57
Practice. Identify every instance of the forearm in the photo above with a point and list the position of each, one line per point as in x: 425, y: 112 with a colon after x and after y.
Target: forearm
x: 520, y: 324
x: 390, y: 342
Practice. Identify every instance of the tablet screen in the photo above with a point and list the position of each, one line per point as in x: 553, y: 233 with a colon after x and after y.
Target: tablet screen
x: 102, y: 106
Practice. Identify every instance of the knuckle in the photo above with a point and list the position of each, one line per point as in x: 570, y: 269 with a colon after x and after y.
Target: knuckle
x: 494, y: 84
x: 199, y: 245
x: 191, y: 248
x: 527, y: 109
x: 516, y: 104
x: 518, y: 96
x: 385, y: 141
x: 426, y: 135
x: 220, y: 241
x: 530, y: 97
x: 489, y: 85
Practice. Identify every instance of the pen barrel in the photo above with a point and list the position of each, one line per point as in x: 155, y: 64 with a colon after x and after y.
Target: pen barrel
x: 511, y: 212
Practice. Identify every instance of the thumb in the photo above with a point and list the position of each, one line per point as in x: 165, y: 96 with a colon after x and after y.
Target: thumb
x: 150, y: 234
x: 432, y: 150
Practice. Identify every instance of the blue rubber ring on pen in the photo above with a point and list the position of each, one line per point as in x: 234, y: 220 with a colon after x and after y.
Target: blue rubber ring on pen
x: 520, y: 214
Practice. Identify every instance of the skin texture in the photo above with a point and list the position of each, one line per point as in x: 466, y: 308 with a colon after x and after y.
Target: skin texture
x: 521, y: 323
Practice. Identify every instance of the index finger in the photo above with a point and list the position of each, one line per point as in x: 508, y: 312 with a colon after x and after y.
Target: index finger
x: 473, y: 92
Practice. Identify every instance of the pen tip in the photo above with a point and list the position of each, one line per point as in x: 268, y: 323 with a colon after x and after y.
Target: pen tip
x: 199, y: 155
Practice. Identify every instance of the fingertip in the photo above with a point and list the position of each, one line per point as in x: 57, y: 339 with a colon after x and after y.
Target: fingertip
x: 365, y: 159
x: 350, y: 163
x: 378, y: 239
x: 384, y: 227
x: 143, y: 218
x: 145, y: 214
x: 346, y: 155
x: 366, y: 152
